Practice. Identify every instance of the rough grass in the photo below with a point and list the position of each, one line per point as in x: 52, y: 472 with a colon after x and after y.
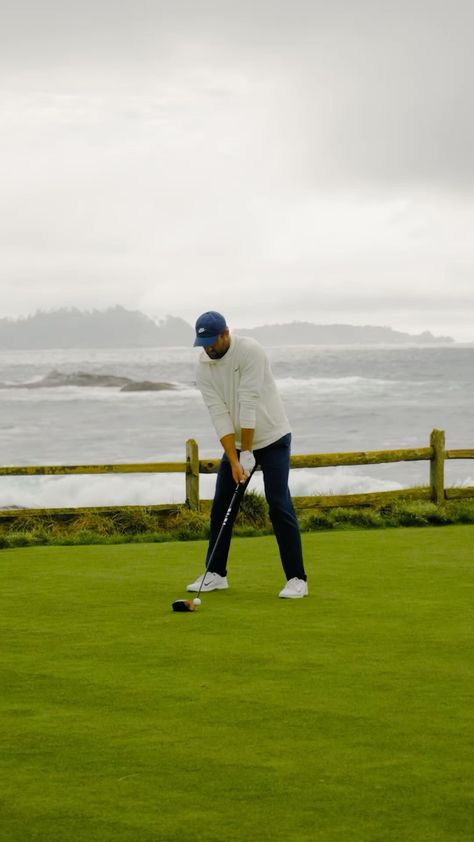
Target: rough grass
x: 138, y: 525
x: 342, y: 717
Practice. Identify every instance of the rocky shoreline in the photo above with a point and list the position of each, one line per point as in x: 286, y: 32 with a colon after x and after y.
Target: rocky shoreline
x: 57, y: 379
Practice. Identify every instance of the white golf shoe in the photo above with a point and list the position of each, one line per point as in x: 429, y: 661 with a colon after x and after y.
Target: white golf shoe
x: 294, y: 589
x: 212, y: 582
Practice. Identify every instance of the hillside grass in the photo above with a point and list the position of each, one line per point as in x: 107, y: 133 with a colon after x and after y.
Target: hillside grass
x: 343, y: 717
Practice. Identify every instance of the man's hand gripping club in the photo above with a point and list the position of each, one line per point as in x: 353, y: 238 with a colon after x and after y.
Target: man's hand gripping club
x: 241, y: 468
x: 247, y: 462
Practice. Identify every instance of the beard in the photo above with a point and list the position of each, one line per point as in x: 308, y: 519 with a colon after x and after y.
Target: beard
x: 216, y: 355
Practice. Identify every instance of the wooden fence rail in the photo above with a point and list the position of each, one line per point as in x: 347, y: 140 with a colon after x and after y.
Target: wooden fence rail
x: 435, y: 454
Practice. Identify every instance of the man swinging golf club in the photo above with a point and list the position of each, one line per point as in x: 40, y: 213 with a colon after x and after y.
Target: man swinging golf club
x: 237, y: 385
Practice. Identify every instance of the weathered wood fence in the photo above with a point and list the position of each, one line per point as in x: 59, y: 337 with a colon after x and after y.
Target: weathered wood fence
x: 193, y: 467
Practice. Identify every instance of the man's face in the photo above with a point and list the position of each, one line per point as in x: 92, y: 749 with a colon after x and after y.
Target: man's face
x: 220, y: 346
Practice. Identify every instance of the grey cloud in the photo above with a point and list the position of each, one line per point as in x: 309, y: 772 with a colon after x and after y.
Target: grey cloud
x: 387, y: 98
x: 377, y: 92
x: 375, y: 302
x: 279, y: 28
x: 180, y: 140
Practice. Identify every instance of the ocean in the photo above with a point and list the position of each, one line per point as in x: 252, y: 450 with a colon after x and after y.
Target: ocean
x: 337, y: 399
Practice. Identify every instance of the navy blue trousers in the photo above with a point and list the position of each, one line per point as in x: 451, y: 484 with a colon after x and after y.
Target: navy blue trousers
x: 274, y: 461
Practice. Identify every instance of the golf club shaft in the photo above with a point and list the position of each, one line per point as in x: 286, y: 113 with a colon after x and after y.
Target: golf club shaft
x: 239, y: 492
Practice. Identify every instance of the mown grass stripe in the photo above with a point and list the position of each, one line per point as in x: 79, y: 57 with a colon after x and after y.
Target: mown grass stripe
x: 344, y: 716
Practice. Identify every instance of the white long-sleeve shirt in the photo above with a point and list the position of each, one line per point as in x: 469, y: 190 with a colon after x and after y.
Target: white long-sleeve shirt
x: 240, y: 392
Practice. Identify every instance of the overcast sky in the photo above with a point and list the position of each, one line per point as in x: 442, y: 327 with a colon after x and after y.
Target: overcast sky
x: 276, y: 160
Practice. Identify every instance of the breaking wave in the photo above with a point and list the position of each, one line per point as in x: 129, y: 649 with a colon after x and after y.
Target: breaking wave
x: 148, y: 490
x: 336, y: 385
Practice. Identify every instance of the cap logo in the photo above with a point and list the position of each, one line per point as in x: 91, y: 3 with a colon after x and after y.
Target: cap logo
x: 209, y: 326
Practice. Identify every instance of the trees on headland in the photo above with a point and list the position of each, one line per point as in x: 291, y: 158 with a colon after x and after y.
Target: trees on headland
x: 117, y: 327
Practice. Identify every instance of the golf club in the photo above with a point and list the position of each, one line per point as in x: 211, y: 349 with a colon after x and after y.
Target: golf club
x: 186, y: 605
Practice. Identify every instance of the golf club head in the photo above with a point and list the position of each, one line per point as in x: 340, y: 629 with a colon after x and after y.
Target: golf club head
x: 183, y: 605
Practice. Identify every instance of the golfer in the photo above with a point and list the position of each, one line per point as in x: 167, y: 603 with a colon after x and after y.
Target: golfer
x: 237, y: 385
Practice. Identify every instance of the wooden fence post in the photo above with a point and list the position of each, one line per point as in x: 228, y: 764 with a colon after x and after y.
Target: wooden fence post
x: 437, y: 442
x: 192, y: 474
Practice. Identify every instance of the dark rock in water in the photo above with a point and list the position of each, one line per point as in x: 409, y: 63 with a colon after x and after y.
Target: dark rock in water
x: 148, y: 386
x: 55, y: 379
x: 80, y: 378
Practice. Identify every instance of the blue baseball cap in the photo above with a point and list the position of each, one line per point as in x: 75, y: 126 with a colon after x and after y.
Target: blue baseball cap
x: 209, y: 327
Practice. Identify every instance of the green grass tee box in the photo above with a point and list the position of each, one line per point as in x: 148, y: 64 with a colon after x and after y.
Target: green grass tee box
x: 344, y: 716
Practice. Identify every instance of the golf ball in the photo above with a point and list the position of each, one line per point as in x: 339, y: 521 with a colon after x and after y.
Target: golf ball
x: 196, y: 601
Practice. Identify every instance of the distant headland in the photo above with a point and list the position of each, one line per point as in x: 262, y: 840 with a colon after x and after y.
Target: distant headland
x: 117, y: 327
